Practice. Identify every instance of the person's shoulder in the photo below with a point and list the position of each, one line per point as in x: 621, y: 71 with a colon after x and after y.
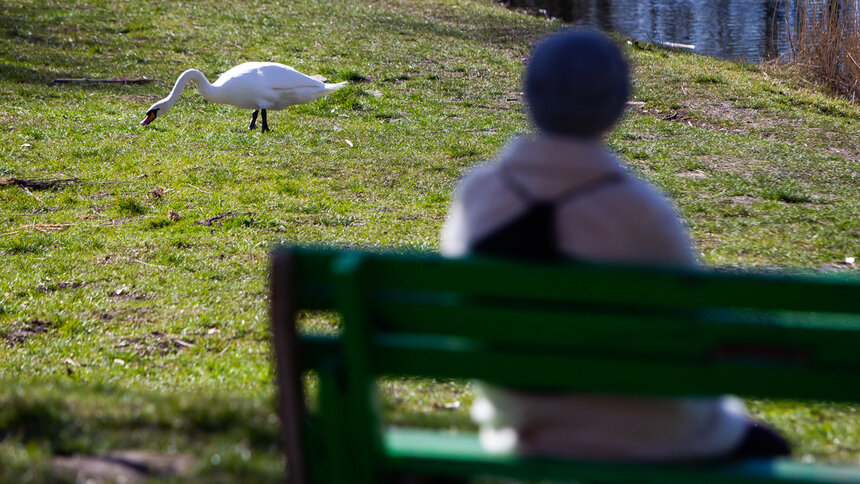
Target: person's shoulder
x: 629, y: 222
x: 479, y: 180
x: 641, y: 206
x: 486, y: 174
x: 637, y: 193
x: 479, y: 173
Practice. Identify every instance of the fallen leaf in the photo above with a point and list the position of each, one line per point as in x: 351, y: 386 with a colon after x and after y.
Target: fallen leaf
x: 173, y: 216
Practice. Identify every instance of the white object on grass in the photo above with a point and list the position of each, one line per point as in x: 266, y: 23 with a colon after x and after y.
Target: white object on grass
x: 253, y: 85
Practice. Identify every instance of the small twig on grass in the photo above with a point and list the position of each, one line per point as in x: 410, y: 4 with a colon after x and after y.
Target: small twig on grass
x: 138, y: 80
x: 222, y: 216
x: 110, y: 182
x: 226, y: 347
x: 40, y: 227
x: 199, y: 190
x: 44, y: 228
x: 28, y: 192
x: 36, y: 183
x: 120, y: 221
x: 46, y: 183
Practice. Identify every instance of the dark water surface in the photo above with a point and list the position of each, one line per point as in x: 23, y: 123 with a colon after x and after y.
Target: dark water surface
x: 732, y: 29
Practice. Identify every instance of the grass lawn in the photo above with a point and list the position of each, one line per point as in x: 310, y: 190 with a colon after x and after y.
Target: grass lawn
x: 124, y: 328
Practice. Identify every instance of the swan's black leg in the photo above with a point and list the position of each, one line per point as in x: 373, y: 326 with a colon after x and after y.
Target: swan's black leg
x: 265, y: 123
x: 253, y: 124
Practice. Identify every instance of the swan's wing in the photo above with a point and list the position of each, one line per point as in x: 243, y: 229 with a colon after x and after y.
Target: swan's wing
x: 297, y: 95
x: 266, y: 75
x: 285, y: 77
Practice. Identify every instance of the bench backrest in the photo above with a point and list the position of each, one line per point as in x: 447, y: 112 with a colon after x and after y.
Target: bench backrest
x: 578, y: 327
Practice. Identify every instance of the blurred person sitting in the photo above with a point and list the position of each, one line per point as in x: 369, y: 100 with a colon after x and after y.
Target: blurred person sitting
x: 560, y: 195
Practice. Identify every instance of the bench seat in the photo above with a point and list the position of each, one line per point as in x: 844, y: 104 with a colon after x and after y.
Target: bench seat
x: 460, y: 454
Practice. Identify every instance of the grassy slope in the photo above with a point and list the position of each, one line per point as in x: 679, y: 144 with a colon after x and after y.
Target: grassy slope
x: 765, y: 172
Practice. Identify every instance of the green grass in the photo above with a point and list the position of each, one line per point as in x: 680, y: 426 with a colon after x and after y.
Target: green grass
x: 155, y: 333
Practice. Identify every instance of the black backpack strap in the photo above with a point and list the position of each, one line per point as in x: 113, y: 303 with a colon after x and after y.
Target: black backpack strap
x: 532, y: 235
x: 515, y: 186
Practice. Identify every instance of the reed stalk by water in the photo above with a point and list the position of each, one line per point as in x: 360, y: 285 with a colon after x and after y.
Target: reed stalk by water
x: 825, y: 42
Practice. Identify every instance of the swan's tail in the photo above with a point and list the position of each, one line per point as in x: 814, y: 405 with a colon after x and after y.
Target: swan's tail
x: 330, y: 88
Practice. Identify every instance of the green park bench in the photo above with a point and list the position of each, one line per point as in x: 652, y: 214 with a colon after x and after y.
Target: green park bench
x: 577, y: 327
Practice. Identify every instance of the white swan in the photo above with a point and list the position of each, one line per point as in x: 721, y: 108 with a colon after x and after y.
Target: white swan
x: 253, y: 85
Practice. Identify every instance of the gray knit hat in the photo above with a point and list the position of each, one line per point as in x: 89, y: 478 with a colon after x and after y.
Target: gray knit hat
x: 577, y: 83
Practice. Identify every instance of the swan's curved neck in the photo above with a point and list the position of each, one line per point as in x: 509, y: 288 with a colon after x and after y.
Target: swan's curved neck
x: 203, y: 85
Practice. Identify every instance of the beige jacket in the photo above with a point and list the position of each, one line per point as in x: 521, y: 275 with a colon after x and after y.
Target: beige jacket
x: 627, y: 222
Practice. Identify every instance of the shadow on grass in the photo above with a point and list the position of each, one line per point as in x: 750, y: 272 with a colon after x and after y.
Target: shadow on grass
x: 45, y: 43
x: 230, y: 438
x: 64, y: 418
x: 21, y: 74
x: 494, y: 35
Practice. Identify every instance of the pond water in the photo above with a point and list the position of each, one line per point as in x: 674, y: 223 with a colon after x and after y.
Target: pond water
x: 732, y: 29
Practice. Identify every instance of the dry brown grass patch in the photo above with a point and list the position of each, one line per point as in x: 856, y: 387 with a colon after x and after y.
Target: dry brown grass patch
x: 825, y: 43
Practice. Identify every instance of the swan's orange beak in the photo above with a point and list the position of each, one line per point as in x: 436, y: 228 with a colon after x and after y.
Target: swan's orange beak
x: 148, y: 119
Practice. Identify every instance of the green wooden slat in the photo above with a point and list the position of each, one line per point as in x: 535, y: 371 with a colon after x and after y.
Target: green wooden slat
x: 699, y: 334
x: 622, y: 285
x: 445, y: 453
x: 333, y: 465
x: 460, y: 358
x: 359, y: 388
x: 602, y: 373
x: 316, y: 349
x: 312, y: 268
